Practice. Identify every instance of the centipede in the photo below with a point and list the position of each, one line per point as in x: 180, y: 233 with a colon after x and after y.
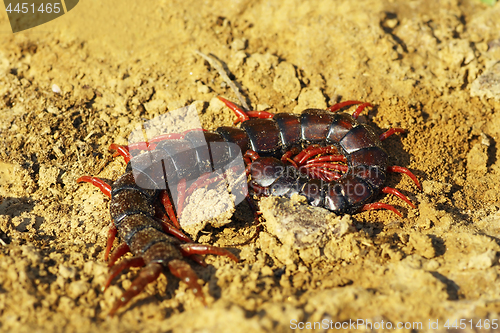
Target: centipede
x: 327, y: 156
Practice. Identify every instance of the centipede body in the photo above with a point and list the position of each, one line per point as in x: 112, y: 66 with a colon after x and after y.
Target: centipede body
x: 329, y: 157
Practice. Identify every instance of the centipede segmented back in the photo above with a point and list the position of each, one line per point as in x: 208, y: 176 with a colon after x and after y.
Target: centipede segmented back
x: 329, y: 157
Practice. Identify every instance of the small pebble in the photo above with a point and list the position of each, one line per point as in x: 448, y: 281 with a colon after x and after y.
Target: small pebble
x: 239, y: 44
x: 56, y: 89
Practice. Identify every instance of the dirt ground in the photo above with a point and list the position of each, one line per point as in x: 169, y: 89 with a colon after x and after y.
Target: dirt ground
x: 427, y: 66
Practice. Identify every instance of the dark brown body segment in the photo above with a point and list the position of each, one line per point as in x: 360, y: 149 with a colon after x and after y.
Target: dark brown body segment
x: 236, y: 135
x: 342, y: 123
x: 358, y: 138
x: 290, y: 130
x: 315, y: 125
x: 264, y: 136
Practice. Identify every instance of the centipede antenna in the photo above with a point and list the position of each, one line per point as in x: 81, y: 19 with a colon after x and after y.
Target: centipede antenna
x: 226, y: 78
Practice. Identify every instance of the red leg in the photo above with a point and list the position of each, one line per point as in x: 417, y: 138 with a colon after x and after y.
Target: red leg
x: 121, y: 150
x: 141, y: 146
x: 317, y: 151
x: 331, y: 166
x: 253, y: 208
x: 116, y: 154
x: 335, y: 176
x: 117, y: 269
x: 198, y: 259
x: 260, y: 114
x: 101, y: 184
x: 181, y: 195
x: 259, y: 190
x: 338, y: 106
x: 177, y: 233
x: 169, y: 136
x: 287, y: 157
x: 360, y: 109
x: 242, y: 115
x: 183, y: 271
x: 247, y: 168
x: 203, y: 181
x: 151, y: 144
x: 328, y: 158
x: 111, y: 238
x: 251, y: 154
x: 194, y: 248
x: 390, y: 132
x: 147, y: 275
x: 300, y: 155
x: 169, y: 208
x: 117, y: 253
x: 380, y: 205
x: 407, y: 172
x: 393, y: 191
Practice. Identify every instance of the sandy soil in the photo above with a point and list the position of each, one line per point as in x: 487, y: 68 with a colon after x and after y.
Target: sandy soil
x: 120, y: 62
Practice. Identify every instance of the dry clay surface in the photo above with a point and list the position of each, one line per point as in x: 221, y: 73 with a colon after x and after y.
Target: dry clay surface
x: 427, y: 66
